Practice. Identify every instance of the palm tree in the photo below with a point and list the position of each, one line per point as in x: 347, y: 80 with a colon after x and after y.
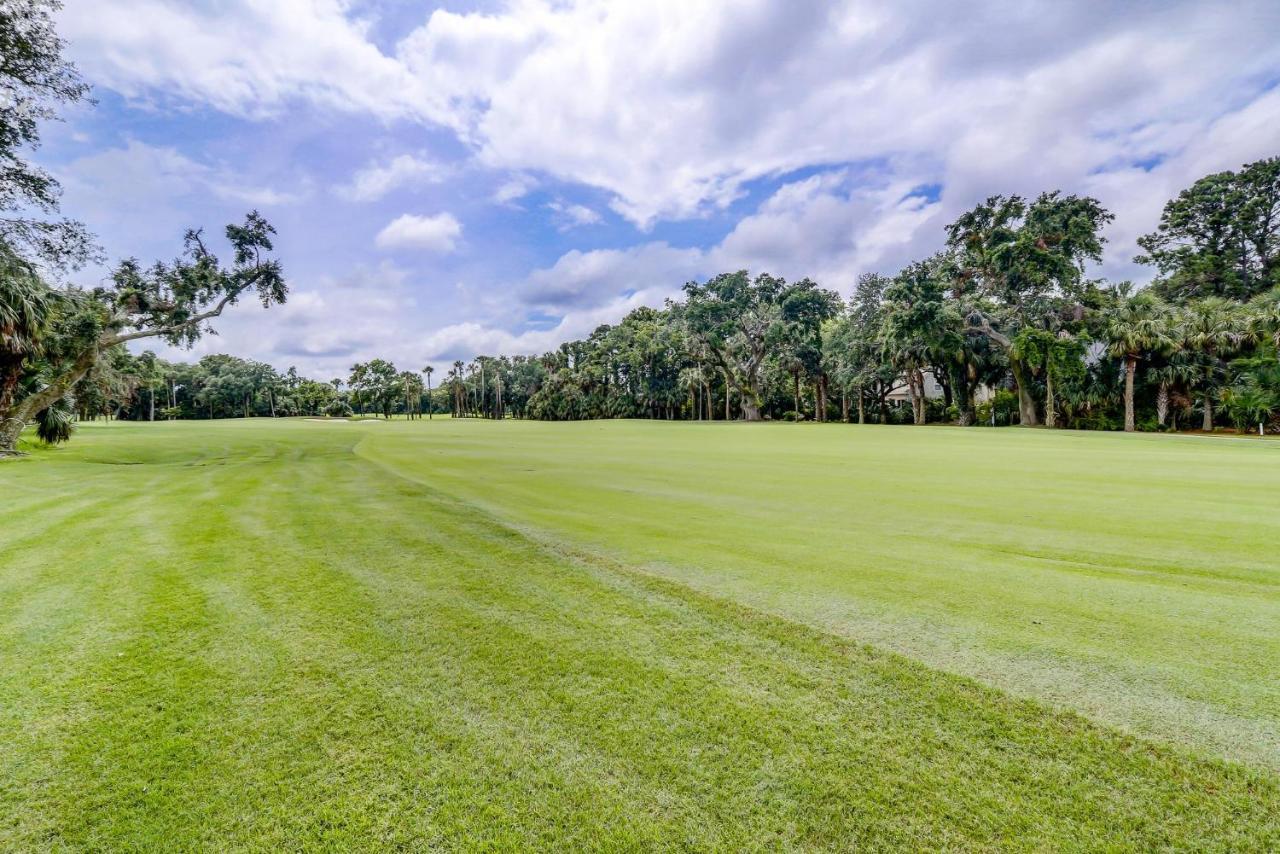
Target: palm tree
x: 27, y: 305
x: 1264, y: 318
x: 1175, y: 372
x: 1137, y: 327
x: 428, y: 371
x: 1211, y: 330
x: 458, y: 404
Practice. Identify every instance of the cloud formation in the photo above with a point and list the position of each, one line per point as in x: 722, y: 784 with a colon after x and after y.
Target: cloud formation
x: 435, y: 233
x: 377, y: 179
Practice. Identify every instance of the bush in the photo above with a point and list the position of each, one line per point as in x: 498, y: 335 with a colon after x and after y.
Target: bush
x: 1096, y: 421
x: 1005, y: 406
x: 792, y: 415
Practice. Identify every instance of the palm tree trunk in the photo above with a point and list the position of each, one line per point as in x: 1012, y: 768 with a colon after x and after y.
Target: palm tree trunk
x: 1130, y: 368
x: 1162, y: 404
x: 1207, y: 424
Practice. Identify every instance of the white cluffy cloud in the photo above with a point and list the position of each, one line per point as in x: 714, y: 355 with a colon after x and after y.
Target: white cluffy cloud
x: 569, y: 216
x: 856, y: 128
x: 437, y: 233
x: 380, y: 178
x: 674, y: 106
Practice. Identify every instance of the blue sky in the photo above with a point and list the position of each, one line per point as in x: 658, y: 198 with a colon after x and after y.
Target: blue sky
x: 461, y: 178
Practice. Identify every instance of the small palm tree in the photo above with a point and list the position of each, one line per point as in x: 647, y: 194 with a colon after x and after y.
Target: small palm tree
x: 1264, y: 318
x: 428, y: 371
x: 1138, y: 327
x: 1176, y: 372
x: 26, y: 308
x: 1212, y: 329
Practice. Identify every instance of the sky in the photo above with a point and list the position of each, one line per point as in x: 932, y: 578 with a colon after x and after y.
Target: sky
x: 452, y: 179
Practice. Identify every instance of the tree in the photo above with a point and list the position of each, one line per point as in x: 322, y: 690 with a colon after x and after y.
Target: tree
x: 171, y: 301
x: 740, y: 321
x: 427, y: 372
x: 375, y: 383
x: 1137, y: 327
x: 1212, y: 330
x: 1220, y: 237
x: 1254, y: 397
x: 27, y: 308
x: 411, y: 387
x: 1025, y: 261
x: 35, y: 80
x: 920, y: 326
x: 805, y: 308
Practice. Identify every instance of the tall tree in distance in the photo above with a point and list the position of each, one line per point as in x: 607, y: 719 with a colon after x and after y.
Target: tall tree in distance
x: 740, y: 321
x: 1220, y: 237
x: 1137, y: 327
x: 1025, y: 261
x: 427, y: 372
x: 920, y: 326
x: 1213, y: 330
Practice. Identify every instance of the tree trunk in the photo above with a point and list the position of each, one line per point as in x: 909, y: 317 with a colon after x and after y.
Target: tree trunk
x: 963, y: 396
x: 1050, y: 406
x: 796, y: 377
x: 750, y: 410
x: 1130, y: 368
x: 1162, y: 404
x: 17, y: 416
x: 726, y: 396
x: 1026, y: 403
x: 1207, y: 424
x: 10, y: 430
x: 844, y: 405
x: 862, y: 408
x: 152, y: 415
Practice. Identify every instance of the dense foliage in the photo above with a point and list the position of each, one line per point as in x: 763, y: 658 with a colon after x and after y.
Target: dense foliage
x: 1001, y: 326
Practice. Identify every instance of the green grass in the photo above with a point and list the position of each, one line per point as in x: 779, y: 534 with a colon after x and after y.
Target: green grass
x: 272, y: 635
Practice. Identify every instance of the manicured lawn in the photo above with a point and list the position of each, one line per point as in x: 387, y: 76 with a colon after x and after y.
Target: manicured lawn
x: 294, y: 635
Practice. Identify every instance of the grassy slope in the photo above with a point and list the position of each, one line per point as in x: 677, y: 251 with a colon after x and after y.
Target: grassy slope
x: 245, y: 634
x: 1133, y: 578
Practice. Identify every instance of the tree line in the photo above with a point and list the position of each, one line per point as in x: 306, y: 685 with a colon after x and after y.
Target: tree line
x: 1002, y: 321
x: 1002, y: 324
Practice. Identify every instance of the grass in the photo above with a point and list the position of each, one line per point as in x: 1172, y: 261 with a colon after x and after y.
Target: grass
x: 265, y: 635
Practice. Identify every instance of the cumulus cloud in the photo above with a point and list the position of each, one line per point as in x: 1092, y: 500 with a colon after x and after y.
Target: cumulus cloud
x: 880, y: 120
x: 436, y: 233
x: 674, y: 105
x: 516, y: 187
x: 569, y: 216
x: 378, y: 179
x: 137, y: 172
x: 243, y: 57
